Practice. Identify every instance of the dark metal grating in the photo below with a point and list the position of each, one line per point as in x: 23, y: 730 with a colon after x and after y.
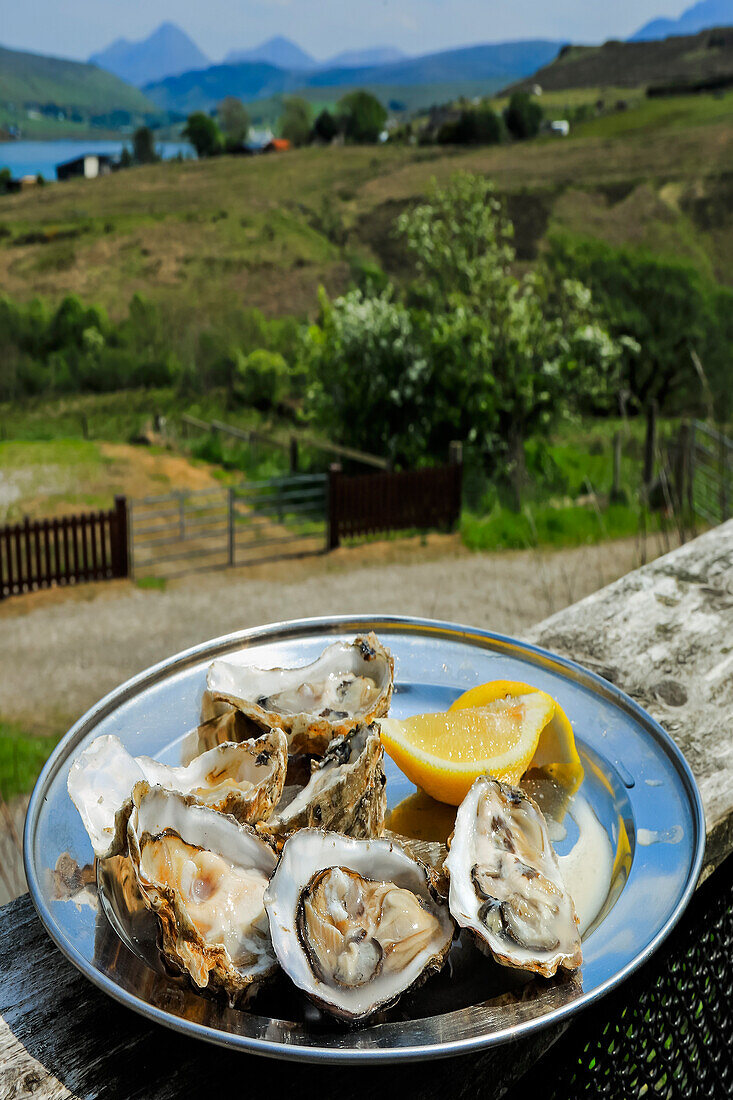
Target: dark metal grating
x: 667, y: 1032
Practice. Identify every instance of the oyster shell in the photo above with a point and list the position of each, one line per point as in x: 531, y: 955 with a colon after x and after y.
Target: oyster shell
x: 354, y: 923
x: 204, y: 876
x: 349, y: 683
x: 505, y: 881
x: 345, y: 791
x: 245, y: 780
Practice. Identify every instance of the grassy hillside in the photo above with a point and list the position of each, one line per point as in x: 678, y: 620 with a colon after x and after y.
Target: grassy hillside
x: 27, y: 78
x: 204, y: 238
x: 683, y: 60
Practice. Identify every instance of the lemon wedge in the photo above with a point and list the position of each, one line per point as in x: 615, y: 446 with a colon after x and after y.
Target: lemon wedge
x: 444, y: 753
x: 556, y: 752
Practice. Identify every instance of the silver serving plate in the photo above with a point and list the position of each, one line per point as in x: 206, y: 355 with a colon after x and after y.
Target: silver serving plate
x: 636, y: 780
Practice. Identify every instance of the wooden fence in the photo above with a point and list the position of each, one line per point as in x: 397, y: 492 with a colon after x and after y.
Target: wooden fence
x: 371, y: 504
x: 65, y: 550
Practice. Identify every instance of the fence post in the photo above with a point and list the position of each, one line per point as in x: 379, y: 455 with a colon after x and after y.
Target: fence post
x: 616, y: 494
x: 119, y: 541
x: 455, y: 452
x: 181, y: 515
x: 723, y: 479
x: 650, y: 443
x: 231, y: 539
x: 332, y: 535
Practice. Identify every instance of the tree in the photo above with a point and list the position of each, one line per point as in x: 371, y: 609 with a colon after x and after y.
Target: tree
x: 203, y: 133
x: 523, y: 116
x: 480, y: 126
x: 325, y: 128
x: 475, y: 353
x: 125, y: 157
x: 361, y: 117
x: 668, y: 307
x: 233, y: 121
x: 295, y: 121
x: 143, y: 145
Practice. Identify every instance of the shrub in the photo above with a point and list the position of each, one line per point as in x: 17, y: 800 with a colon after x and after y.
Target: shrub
x: 262, y: 379
x: 523, y: 116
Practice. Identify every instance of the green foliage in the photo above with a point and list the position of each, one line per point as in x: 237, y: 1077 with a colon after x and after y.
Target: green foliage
x: 668, y: 308
x: 203, y: 133
x: 325, y: 128
x: 143, y: 145
x: 21, y: 758
x: 523, y: 116
x: 5, y: 178
x: 361, y: 117
x: 262, y: 379
x: 475, y: 353
x: 76, y: 348
x: 544, y: 525
x: 480, y: 126
x: 295, y: 121
x: 233, y: 120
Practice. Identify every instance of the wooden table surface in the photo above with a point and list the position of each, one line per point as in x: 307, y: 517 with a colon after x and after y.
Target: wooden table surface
x: 663, y: 633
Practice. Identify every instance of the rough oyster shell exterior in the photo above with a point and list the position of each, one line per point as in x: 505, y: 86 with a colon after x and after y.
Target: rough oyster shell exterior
x: 345, y: 791
x: 298, y: 700
x: 157, y: 813
x: 505, y: 881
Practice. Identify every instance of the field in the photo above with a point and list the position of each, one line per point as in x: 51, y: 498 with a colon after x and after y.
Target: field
x: 206, y: 237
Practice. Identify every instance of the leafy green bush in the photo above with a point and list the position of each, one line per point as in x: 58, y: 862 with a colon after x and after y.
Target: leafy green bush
x: 263, y: 379
x: 523, y: 116
x: 479, y: 126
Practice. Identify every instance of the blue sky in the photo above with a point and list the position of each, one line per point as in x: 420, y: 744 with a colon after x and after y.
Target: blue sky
x: 76, y: 28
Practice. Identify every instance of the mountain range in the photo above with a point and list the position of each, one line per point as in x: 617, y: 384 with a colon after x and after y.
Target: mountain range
x: 493, y: 64
x: 284, y: 54
x: 168, y: 50
x: 700, y: 17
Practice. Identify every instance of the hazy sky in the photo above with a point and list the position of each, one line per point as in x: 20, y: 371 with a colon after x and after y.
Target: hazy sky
x: 76, y: 28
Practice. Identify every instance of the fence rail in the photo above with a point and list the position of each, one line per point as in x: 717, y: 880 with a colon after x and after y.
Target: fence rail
x: 711, y: 473
x: 292, y: 444
x: 41, y: 553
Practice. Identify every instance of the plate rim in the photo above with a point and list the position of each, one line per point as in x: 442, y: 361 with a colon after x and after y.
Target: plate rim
x: 335, y: 624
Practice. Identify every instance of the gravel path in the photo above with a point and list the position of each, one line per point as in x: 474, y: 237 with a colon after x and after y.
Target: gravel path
x: 59, y: 655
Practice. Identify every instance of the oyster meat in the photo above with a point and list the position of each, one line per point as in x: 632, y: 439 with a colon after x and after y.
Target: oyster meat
x: 505, y: 881
x: 245, y: 780
x: 345, y: 791
x: 354, y: 923
x: 204, y: 876
x: 350, y: 683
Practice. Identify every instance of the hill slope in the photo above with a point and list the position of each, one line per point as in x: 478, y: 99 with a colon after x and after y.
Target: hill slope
x: 677, y: 60
x: 203, y: 89
x: 700, y: 17
x: 27, y: 78
x: 166, y: 52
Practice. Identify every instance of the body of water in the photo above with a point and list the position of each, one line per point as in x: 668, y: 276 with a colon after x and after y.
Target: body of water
x: 28, y: 158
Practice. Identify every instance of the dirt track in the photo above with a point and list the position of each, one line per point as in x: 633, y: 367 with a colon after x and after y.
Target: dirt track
x: 59, y: 652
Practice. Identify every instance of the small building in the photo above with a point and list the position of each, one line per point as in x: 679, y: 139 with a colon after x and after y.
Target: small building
x: 560, y: 127
x: 258, y: 140
x: 89, y: 167
x: 277, y: 145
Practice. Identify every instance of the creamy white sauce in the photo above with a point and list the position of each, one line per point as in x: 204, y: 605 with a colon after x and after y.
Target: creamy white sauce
x: 666, y: 836
x: 586, y: 868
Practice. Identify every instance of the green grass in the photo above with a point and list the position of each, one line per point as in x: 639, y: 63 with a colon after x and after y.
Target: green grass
x: 157, y: 584
x: 667, y: 114
x: 546, y: 525
x: 22, y: 756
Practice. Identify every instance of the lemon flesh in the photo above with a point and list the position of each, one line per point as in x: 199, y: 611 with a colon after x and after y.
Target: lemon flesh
x: 444, y: 753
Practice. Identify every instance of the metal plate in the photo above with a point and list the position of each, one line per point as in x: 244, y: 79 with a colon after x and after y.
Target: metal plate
x: 636, y: 782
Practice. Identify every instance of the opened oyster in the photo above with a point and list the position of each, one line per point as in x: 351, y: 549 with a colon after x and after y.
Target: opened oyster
x: 505, y: 881
x: 204, y: 876
x: 245, y: 780
x: 346, y: 685
x: 354, y: 923
x: 345, y: 791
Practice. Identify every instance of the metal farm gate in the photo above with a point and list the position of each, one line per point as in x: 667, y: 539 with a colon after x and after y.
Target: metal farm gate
x: 711, y: 473
x: 256, y: 521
